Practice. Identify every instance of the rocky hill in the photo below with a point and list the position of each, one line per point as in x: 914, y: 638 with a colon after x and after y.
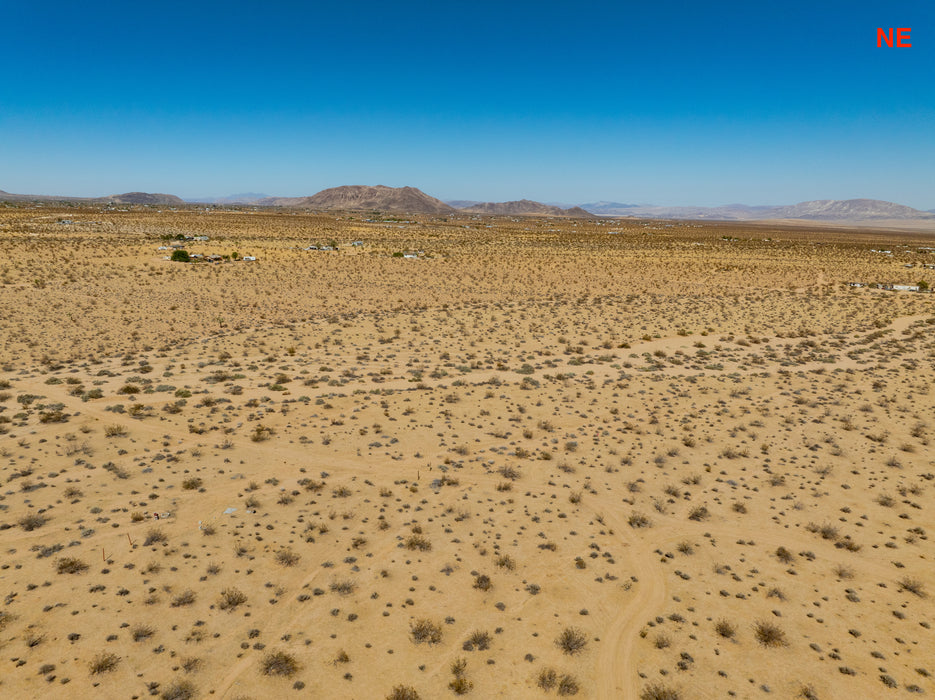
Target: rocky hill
x: 143, y: 198
x: 364, y: 197
x: 524, y: 207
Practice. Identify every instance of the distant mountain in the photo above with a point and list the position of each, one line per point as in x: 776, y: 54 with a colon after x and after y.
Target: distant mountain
x: 524, y: 207
x: 143, y: 198
x: 843, y: 210
x: 462, y: 203
x: 126, y: 198
x: 361, y: 197
x: 847, y: 210
x: 242, y: 198
x: 608, y: 208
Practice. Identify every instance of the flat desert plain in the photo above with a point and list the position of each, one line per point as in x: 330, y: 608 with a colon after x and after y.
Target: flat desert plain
x: 541, y: 458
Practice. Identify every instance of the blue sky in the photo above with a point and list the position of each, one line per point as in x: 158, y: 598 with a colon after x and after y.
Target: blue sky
x: 665, y: 102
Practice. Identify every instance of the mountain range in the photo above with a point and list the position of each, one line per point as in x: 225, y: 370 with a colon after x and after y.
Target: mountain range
x: 522, y: 207
x: 126, y: 198
x: 816, y: 210
x: 412, y: 200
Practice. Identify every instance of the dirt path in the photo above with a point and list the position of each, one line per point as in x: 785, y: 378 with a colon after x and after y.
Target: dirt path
x: 616, y: 666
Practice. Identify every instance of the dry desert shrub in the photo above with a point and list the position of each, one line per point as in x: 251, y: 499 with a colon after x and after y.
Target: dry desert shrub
x: 460, y: 685
x: 155, y: 536
x: 572, y: 640
x: 479, y: 640
x: 104, y: 663
x: 279, y: 663
x: 657, y: 691
x: 769, y: 635
x: 403, y: 692
x: 182, y: 599
x: 547, y: 679
x: 231, y: 598
x: 425, y: 632
x: 179, y: 690
x: 141, y: 632
x: 345, y: 587
x: 725, y: 628
x: 482, y: 582
x: 638, y: 520
x: 912, y: 585
x: 70, y: 565
x: 32, y: 521
x: 287, y: 557
x: 567, y: 685
x: 261, y: 433
x: 418, y: 542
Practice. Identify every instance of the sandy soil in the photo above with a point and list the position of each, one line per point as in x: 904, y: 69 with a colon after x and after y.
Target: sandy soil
x: 546, y: 458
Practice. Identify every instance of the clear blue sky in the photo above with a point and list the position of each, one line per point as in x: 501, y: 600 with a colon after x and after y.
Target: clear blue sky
x: 669, y: 102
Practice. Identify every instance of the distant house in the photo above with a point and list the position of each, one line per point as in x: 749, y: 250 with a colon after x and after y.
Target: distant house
x: 411, y: 256
x: 357, y: 244
x: 855, y: 284
x: 249, y: 258
x: 905, y: 287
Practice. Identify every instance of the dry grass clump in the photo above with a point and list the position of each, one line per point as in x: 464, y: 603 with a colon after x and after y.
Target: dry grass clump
x: 141, y: 632
x: 912, y: 585
x: 425, y: 632
x: 725, y: 629
x: 638, y: 520
x: 567, y: 685
x: 657, y: 691
x: 182, y: 599
x: 572, y: 640
x: 70, y: 565
x: 279, y: 663
x: 769, y: 635
x: 231, y: 598
x: 104, y: 663
x: 179, y: 690
x: 482, y: 582
x: 459, y: 684
x: 155, y: 536
x: 287, y: 557
x: 418, y: 542
x: 403, y: 692
x: 547, y: 679
x: 479, y: 640
x: 345, y: 587
x: 261, y: 433
x: 32, y: 521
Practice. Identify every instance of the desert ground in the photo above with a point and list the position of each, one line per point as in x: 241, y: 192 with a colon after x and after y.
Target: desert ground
x: 542, y: 458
